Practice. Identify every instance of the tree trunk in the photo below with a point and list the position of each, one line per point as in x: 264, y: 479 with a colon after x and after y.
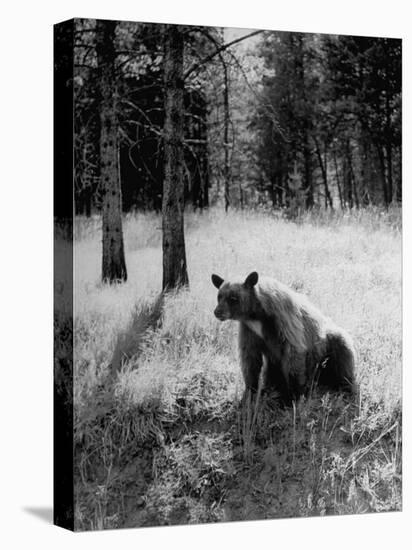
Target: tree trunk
x: 113, y: 262
x: 388, y: 149
x: 226, y: 136
x: 353, y: 180
x: 347, y: 181
x: 323, y: 168
x: 300, y: 61
x: 272, y: 191
x: 381, y: 157
x: 205, y: 180
x: 399, y: 177
x: 338, y: 181
x: 392, y: 189
x: 205, y: 159
x: 308, y: 175
x: 241, y: 199
x: 174, y: 253
x: 88, y: 202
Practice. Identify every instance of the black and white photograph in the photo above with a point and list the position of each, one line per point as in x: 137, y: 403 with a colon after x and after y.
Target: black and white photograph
x: 228, y: 276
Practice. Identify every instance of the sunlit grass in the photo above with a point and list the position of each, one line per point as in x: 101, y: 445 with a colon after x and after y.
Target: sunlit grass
x: 174, y: 396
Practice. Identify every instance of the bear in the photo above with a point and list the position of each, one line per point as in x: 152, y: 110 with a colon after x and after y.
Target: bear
x: 284, y: 336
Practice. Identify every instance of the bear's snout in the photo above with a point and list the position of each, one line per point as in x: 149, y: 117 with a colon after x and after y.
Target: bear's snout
x: 219, y: 314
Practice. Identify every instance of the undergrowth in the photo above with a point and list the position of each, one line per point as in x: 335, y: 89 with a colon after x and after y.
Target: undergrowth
x: 162, y: 434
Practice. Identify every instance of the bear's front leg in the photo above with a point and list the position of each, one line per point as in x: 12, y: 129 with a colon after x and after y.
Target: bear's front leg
x: 278, y: 369
x: 251, y: 358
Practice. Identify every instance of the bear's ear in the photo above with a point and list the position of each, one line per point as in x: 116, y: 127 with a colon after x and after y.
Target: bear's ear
x: 251, y: 279
x: 217, y: 281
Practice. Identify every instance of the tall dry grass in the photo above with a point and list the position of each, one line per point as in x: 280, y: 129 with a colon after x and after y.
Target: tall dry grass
x: 161, y: 436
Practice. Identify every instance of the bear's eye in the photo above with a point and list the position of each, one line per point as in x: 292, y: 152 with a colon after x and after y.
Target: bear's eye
x: 233, y: 299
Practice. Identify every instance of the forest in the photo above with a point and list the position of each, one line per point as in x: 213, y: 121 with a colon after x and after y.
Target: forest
x: 199, y: 150
x: 174, y: 117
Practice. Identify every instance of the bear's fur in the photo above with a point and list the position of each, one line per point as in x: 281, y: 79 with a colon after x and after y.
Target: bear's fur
x: 283, y: 332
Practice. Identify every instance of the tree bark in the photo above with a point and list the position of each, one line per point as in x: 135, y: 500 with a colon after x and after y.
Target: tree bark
x: 323, y: 168
x: 113, y: 261
x: 388, y: 148
x: 88, y: 197
x: 309, y: 202
x: 205, y: 165
x: 204, y: 177
x: 226, y: 173
x: 381, y: 157
x: 299, y: 55
x: 347, y: 181
x: 352, y: 178
x: 338, y: 180
x: 272, y: 191
x: 174, y: 253
x: 392, y: 189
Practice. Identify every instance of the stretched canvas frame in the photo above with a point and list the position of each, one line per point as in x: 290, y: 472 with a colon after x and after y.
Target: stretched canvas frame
x: 196, y: 447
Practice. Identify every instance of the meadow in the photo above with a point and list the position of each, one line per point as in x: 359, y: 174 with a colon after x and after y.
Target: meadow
x: 161, y: 435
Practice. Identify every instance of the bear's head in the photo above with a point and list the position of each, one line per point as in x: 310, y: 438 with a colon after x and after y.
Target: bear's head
x: 236, y: 300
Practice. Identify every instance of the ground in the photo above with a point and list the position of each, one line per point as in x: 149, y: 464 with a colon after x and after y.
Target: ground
x: 161, y: 436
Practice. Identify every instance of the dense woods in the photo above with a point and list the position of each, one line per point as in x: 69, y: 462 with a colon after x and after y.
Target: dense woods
x: 337, y: 136
x: 171, y: 117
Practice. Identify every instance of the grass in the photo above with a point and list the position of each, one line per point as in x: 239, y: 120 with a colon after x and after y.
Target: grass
x: 161, y: 434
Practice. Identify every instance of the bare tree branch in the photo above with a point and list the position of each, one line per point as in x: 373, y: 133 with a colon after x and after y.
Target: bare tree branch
x: 222, y: 48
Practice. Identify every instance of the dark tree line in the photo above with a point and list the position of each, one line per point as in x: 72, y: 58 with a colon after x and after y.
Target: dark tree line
x: 337, y: 136
x: 141, y: 115
x: 332, y: 135
x: 165, y: 116
x: 140, y: 112
x: 137, y: 120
